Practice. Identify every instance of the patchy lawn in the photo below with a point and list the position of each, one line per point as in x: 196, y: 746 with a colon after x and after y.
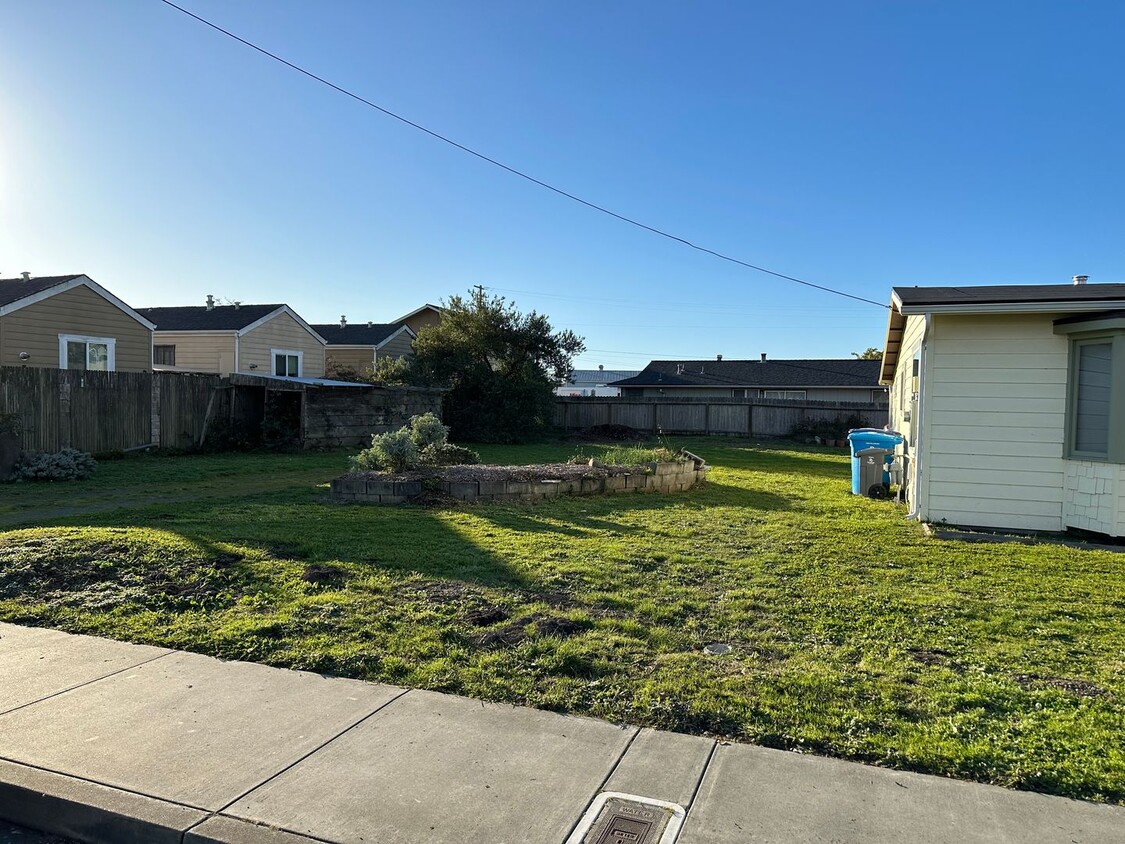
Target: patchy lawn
x: 851, y: 634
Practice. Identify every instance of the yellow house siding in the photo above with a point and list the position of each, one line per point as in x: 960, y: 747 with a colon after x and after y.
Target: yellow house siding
x: 280, y: 332
x: 359, y: 359
x: 199, y: 351
x: 422, y: 320
x: 398, y: 347
x: 995, y: 421
x: 35, y: 329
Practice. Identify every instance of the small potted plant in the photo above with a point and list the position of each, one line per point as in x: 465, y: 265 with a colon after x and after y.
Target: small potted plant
x: 11, y: 445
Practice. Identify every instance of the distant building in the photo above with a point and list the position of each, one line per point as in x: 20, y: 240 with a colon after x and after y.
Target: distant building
x: 594, y: 382
x: 849, y: 379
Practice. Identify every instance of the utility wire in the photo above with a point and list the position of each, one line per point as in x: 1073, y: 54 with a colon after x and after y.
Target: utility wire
x: 513, y: 170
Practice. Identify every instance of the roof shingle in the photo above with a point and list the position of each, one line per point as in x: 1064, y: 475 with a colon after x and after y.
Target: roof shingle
x: 199, y: 318
x: 14, y: 289
x: 850, y: 372
x: 357, y: 335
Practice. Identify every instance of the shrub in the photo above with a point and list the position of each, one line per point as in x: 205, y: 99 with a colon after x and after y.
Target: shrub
x: 393, y: 451
x: 427, y: 430
x: 70, y: 464
x: 448, y: 454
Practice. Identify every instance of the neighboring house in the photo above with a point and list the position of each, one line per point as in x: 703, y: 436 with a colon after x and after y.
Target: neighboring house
x: 423, y: 317
x: 357, y: 347
x: 1012, y: 399
x: 593, y: 382
x: 849, y: 380
x: 256, y: 339
x: 70, y: 322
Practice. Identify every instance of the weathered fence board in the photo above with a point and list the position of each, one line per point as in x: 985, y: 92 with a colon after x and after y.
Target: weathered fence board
x: 738, y: 417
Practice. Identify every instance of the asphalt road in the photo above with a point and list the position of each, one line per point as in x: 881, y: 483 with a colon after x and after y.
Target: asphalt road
x: 10, y: 834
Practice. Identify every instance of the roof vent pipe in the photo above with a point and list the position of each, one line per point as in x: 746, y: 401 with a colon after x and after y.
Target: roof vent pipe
x: 718, y: 357
x: 369, y: 323
x: 1080, y: 279
x: 763, y: 357
x: 237, y: 305
x: 210, y: 302
x: 601, y: 367
x: 343, y: 321
x: 26, y: 276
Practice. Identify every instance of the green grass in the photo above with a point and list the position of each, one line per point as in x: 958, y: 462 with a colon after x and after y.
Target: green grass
x: 852, y: 634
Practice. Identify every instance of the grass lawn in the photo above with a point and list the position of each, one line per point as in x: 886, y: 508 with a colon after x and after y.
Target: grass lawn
x: 851, y: 633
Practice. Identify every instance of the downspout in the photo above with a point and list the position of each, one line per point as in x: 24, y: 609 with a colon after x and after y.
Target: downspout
x: 916, y: 424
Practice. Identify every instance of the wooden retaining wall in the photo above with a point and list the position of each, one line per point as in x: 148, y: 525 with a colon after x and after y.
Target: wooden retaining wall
x: 735, y: 417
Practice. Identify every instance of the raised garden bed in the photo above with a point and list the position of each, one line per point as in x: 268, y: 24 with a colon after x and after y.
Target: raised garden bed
x: 517, y: 483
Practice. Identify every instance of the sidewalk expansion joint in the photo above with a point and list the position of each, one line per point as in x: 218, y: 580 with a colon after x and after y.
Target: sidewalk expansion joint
x: 699, y: 782
x: 602, y: 784
x: 293, y: 764
x: 88, y: 682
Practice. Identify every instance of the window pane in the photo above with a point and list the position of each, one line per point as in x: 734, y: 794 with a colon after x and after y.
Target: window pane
x: 279, y: 364
x: 164, y: 355
x: 98, y: 356
x: 75, y: 355
x: 293, y: 366
x: 1091, y: 419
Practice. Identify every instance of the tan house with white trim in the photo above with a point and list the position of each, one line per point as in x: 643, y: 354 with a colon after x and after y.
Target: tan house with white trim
x: 1012, y: 400
x: 420, y: 318
x: 358, y: 347
x: 70, y: 322
x: 271, y: 340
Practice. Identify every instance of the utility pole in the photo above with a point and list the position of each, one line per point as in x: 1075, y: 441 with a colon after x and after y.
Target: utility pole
x: 480, y: 290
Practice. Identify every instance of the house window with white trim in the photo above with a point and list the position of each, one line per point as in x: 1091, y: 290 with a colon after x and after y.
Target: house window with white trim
x: 1095, y: 413
x: 783, y: 394
x: 78, y: 351
x: 287, y: 363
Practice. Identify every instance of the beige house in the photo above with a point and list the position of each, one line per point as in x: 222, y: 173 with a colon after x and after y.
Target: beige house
x: 1012, y: 400
x: 269, y: 340
x: 423, y: 317
x: 70, y: 322
x: 358, y: 347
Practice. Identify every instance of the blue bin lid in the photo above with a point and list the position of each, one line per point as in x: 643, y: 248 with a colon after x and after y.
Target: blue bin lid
x: 874, y: 437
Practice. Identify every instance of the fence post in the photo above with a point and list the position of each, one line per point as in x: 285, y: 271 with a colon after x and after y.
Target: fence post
x: 64, y: 410
x: 707, y: 418
x: 750, y: 419
x: 154, y: 418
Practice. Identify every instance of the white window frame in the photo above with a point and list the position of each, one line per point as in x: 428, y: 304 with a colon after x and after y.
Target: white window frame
x: 1111, y: 332
x: 790, y: 395
x: 288, y: 353
x: 109, y: 342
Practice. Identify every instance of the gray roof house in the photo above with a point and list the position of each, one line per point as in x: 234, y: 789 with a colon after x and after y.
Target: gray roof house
x: 357, y: 347
x: 594, y: 382
x: 848, y: 379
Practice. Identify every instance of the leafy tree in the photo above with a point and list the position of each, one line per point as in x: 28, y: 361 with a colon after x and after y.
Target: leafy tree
x: 870, y: 353
x: 501, y: 367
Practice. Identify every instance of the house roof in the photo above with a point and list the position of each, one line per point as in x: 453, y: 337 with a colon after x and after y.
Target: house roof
x: 991, y: 299
x: 364, y: 334
x: 199, y: 318
x: 14, y: 289
x: 850, y: 372
x: 427, y: 307
x: 17, y: 293
x: 599, y: 376
x: 1007, y: 294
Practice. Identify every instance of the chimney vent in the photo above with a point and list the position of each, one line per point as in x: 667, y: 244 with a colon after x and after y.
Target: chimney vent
x: 601, y: 367
x: 236, y: 305
x: 343, y: 321
x: 26, y: 276
x: 370, y: 323
x: 1080, y: 279
x: 718, y: 357
x: 679, y: 369
x: 210, y: 302
x: 763, y: 357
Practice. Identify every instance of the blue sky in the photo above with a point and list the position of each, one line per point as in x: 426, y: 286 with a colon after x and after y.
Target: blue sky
x: 856, y: 145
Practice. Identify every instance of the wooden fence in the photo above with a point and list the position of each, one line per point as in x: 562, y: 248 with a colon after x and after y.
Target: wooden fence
x: 108, y: 411
x: 737, y: 417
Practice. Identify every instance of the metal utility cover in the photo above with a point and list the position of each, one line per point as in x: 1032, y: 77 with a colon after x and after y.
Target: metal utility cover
x: 616, y: 818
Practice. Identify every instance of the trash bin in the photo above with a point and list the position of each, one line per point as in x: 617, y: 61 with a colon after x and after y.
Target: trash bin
x: 868, y: 470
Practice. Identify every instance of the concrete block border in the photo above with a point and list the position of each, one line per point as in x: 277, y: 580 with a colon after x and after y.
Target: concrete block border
x: 655, y: 477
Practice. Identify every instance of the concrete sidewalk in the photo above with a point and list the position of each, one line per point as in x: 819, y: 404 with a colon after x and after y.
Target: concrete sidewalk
x: 109, y: 742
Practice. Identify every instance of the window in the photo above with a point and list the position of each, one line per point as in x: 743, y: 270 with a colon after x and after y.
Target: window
x: 164, y: 355
x: 286, y: 363
x: 94, y: 353
x: 783, y: 394
x: 1095, y: 387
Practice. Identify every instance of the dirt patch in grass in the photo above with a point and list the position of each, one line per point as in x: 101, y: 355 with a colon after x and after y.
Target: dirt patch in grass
x: 520, y: 630
x: 935, y: 656
x: 1071, y: 685
x: 324, y: 574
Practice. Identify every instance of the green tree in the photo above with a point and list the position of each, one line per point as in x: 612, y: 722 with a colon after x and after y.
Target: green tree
x: 870, y: 353
x: 501, y: 367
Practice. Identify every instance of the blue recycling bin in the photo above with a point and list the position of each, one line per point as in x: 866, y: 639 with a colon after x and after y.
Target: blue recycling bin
x: 860, y: 439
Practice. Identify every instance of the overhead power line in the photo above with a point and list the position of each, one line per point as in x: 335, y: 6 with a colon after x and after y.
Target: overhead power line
x: 513, y: 170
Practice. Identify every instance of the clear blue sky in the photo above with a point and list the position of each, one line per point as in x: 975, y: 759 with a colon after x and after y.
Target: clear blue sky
x: 858, y: 145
